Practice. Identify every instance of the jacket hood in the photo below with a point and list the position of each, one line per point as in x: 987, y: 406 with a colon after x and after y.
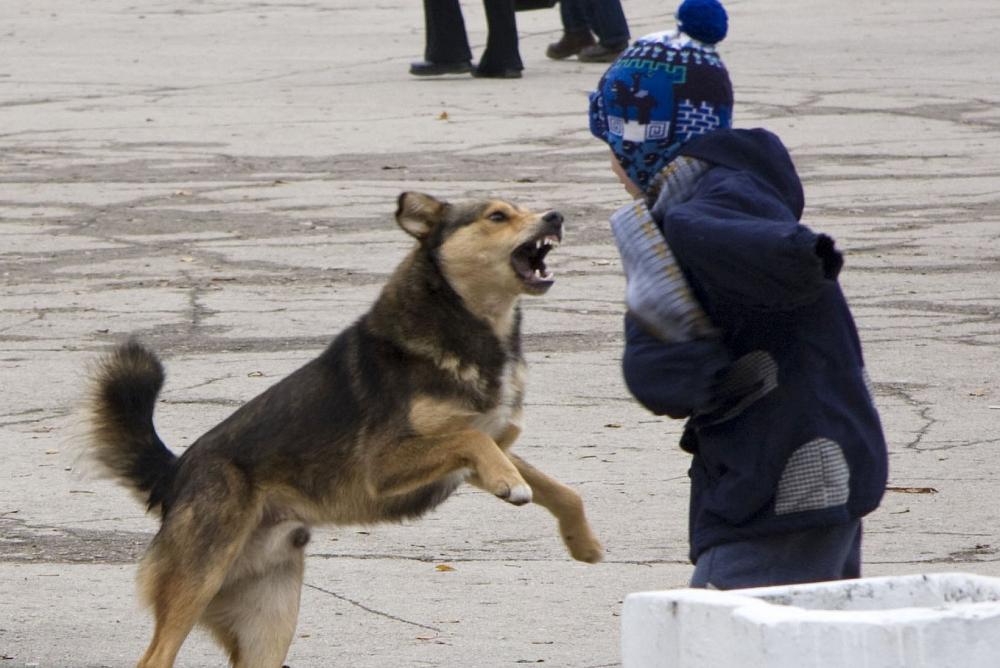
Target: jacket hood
x: 756, y: 151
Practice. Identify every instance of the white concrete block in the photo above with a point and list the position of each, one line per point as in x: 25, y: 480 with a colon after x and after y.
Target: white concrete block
x: 945, y: 620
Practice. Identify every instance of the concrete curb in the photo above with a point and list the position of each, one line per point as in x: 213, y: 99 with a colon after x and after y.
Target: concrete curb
x: 917, y: 621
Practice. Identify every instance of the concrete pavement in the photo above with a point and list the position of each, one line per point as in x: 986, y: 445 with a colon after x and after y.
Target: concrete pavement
x: 219, y: 177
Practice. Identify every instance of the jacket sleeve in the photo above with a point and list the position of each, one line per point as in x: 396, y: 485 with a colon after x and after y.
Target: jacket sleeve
x: 673, y: 379
x: 755, y: 262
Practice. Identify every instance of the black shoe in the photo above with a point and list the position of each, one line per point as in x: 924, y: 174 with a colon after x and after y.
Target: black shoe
x: 508, y: 73
x: 570, y: 44
x: 599, y: 53
x: 425, y: 68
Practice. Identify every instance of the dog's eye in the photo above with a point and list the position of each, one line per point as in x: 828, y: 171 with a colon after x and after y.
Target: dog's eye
x: 497, y: 216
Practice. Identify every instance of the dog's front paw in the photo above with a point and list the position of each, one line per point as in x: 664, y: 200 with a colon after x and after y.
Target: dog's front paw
x: 584, y: 546
x: 518, y: 494
x: 590, y: 553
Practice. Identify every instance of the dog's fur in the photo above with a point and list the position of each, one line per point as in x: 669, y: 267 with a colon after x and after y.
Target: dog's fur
x: 423, y: 392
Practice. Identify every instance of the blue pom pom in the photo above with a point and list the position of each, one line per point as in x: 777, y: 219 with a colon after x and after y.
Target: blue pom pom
x: 703, y: 20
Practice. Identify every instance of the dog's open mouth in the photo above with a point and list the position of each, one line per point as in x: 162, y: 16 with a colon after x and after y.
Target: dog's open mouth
x: 528, y: 261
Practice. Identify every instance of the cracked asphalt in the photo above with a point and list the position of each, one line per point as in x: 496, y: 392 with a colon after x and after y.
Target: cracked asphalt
x: 219, y: 177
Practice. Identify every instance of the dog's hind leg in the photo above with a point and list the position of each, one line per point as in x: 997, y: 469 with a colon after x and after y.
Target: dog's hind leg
x: 254, y: 614
x: 180, y: 586
x: 189, y: 561
x: 567, y: 507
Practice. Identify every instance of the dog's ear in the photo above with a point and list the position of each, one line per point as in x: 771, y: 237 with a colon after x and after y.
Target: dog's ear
x: 418, y: 213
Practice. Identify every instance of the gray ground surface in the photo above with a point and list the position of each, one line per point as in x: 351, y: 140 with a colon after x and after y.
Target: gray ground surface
x: 219, y: 178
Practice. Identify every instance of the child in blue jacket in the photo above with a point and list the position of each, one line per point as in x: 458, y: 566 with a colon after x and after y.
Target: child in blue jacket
x: 736, y: 321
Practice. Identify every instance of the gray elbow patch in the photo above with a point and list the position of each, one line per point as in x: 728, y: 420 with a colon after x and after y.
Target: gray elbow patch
x: 816, y: 476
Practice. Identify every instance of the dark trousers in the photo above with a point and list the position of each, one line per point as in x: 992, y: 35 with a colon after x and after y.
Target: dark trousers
x: 604, y: 17
x: 447, y: 41
x: 813, y: 555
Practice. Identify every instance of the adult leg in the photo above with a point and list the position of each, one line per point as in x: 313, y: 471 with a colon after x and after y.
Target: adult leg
x: 813, y: 555
x: 607, y: 20
x: 573, y: 14
x: 501, y: 57
x: 576, y: 30
x: 446, y: 49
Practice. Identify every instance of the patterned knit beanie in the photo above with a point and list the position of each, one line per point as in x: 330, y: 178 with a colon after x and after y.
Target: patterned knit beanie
x: 663, y: 90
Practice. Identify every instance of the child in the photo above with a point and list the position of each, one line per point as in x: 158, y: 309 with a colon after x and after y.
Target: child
x: 735, y: 320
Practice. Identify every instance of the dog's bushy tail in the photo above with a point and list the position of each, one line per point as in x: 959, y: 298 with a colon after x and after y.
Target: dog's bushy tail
x: 123, y: 440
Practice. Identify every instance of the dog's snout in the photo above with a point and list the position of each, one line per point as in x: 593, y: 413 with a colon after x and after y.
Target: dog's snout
x: 553, y: 218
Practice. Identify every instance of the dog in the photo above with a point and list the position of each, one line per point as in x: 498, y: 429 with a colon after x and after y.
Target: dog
x: 422, y: 393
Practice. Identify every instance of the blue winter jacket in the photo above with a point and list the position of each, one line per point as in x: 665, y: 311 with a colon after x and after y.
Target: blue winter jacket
x: 782, y: 425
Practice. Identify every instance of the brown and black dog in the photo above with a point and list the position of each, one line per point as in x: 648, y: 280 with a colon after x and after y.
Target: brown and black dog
x: 423, y: 392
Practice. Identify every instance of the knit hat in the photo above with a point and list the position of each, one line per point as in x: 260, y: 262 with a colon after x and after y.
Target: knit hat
x: 663, y: 90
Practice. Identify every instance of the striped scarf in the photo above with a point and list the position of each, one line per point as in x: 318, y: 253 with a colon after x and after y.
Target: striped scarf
x: 656, y: 293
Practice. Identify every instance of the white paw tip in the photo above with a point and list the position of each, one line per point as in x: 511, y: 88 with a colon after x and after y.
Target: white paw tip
x: 519, y: 495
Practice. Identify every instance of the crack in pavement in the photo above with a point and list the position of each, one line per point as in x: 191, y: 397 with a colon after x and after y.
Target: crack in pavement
x: 362, y: 606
